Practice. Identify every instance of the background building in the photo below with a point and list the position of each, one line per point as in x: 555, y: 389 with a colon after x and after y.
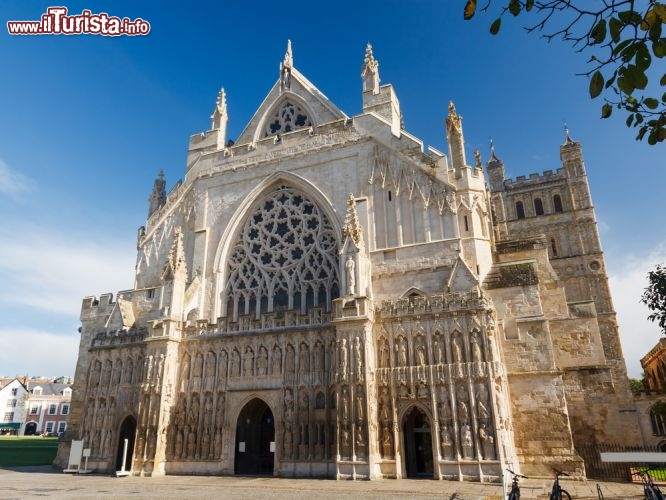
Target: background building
x: 48, y: 407
x: 13, y: 398
x: 322, y: 297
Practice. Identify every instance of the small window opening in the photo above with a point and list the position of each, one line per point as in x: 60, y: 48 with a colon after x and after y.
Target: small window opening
x: 538, y: 206
x: 553, y: 246
x: 389, y: 195
x: 466, y: 223
x: 557, y: 203
x: 520, y: 210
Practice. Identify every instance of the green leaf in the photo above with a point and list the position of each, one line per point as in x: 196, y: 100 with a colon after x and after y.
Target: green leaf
x: 470, y: 9
x: 528, y: 5
x: 651, y: 103
x: 495, y: 27
x: 615, y: 27
x: 620, y: 47
x: 662, y: 82
x: 625, y: 85
x: 641, y: 133
x: 596, y: 84
x: 659, y: 48
x: 639, y: 118
x: 630, y: 120
x: 611, y: 80
x: 598, y: 33
x: 643, y: 58
x: 630, y: 17
x: 515, y: 7
x: 663, y: 97
x: 606, y: 110
x: 655, y: 31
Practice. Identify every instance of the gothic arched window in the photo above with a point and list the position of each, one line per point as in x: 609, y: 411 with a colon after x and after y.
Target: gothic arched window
x: 538, y: 206
x: 557, y: 203
x: 520, y: 210
x: 287, y: 117
x: 285, y: 257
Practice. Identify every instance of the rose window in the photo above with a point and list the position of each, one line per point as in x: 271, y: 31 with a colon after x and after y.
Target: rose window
x: 284, y: 258
x: 287, y: 117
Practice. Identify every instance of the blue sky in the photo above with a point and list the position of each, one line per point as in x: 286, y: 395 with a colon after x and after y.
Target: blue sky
x: 88, y: 121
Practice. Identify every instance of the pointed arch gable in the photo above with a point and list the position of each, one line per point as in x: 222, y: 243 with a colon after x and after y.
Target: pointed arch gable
x: 286, y: 96
x: 240, y: 215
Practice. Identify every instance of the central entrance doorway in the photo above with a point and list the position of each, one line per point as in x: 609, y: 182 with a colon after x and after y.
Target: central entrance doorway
x: 255, y: 440
x: 418, y: 444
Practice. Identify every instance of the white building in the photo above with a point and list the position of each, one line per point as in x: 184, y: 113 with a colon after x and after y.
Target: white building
x: 13, y: 406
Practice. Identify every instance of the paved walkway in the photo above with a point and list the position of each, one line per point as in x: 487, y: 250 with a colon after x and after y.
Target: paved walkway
x: 39, y: 482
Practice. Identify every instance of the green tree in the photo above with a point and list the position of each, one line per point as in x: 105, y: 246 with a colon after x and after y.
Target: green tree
x: 622, y: 38
x: 654, y: 296
x: 636, y: 385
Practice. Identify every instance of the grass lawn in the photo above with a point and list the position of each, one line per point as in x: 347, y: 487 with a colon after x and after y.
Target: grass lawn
x: 17, y: 451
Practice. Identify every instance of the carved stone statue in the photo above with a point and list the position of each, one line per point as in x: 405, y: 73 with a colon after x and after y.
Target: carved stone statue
x: 466, y: 440
x: 304, y: 358
x: 402, y: 351
x: 235, y: 363
x: 360, y: 403
x: 358, y: 358
x: 383, y: 354
x: 446, y: 441
x: 457, y: 350
x: 262, y: 361
x: 487, y: 443
x: 277, y: 361
x: 351, y: 275
x: 343, y: 357
x: 248, y: 361
x: 223, y: 365
x: 386, y: 442
x: 476, y: 349
x: 420, y: 351
x: 290, y: 361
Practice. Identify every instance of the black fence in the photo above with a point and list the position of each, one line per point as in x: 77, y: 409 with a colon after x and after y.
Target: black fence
x: 619, y: 471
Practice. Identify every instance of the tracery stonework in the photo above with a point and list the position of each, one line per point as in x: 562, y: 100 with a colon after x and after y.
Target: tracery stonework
x: 320, y: 297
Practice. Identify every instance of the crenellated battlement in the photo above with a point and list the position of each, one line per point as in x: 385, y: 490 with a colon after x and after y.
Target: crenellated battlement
x: 535, y: 178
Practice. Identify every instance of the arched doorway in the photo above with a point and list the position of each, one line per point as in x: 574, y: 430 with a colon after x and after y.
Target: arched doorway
x: 30, y: 429
x: 418, y: 444
x: 127, y: 431
x: 255, y: 440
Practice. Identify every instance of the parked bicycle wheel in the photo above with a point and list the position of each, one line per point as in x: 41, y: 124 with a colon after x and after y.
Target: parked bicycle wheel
x: 560, y: 495
x: 514, y: 495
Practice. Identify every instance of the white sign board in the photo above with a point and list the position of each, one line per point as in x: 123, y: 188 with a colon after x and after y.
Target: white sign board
x: 241, y: 447
x: 272, y: 447
x: 75, y: 452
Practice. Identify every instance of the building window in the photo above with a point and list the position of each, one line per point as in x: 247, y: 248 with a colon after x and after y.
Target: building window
x: 34, y: 410
x: 520, y: 210
x: 62, y: 427
x: 538, y: 206
x: 150, y: 293
x: 37, y: 391
x: 14, y: 391
x: 466, y: 223
x: 65, y: 409
x: 389, y: 195
x: 9, y: 416
x: 52, y: 409
x: 557, y: 203
x: 553, y: 247
x: 49, y: 426
x: 11, y: 403
x: 658, y: 423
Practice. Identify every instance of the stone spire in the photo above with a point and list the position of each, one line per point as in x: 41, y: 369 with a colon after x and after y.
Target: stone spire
x: 495, y: 168
x: 285, y: 68
x: 219, y: 117
x: 158, y: 196
x: 454, y: 135
x: 352, y: 225
x: 370, y: 72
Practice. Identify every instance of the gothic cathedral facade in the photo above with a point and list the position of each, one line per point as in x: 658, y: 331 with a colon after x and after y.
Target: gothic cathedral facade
x: 324, y: 298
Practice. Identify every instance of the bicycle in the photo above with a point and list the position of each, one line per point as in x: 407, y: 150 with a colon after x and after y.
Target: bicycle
x: 650, y: 490
x: 514, y: 494
x: 557, y: 493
